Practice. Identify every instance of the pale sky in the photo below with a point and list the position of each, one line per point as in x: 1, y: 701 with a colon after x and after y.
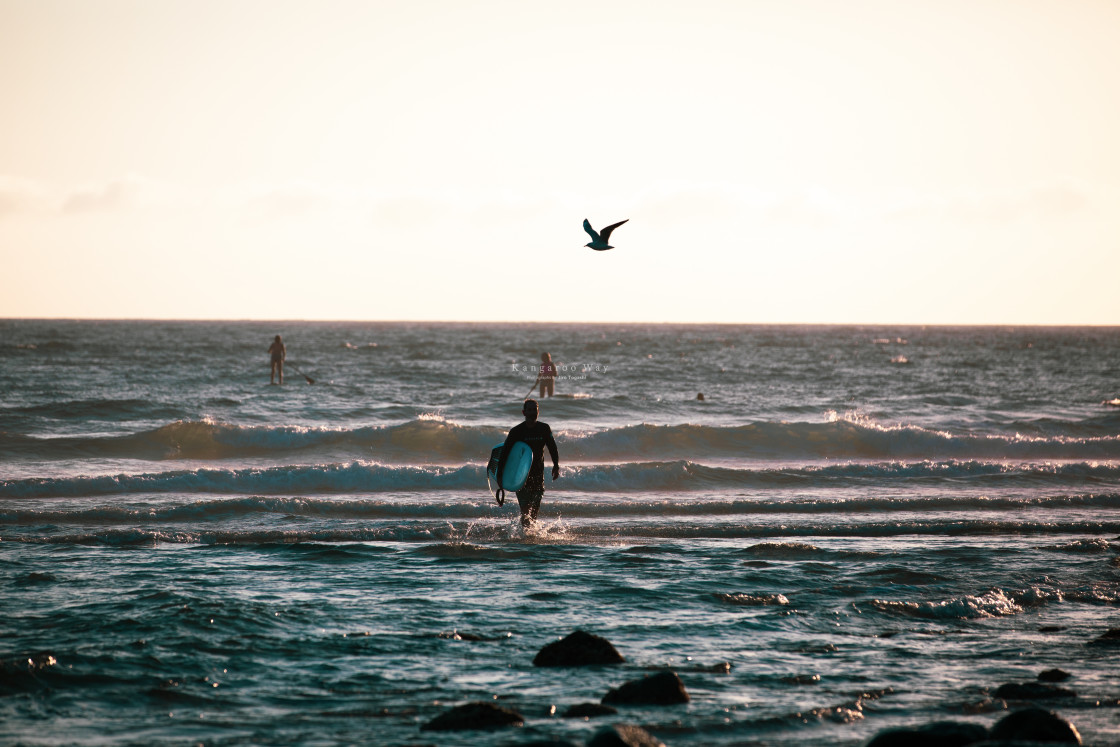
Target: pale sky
x: 820, y: 161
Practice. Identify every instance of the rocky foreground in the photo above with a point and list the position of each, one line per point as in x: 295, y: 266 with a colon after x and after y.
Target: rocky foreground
x: 1027, y: 726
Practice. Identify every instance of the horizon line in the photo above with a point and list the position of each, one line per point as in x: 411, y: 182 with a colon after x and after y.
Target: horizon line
x: 506, y: 322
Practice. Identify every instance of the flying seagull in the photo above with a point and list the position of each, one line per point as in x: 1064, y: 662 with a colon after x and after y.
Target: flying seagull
x: 599, y: 240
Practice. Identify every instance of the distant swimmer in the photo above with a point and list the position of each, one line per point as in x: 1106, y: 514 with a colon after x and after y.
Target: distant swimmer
x: 547, y: 376
x: 278, y: 353
x: 537, y: 435
x: 599, y: 240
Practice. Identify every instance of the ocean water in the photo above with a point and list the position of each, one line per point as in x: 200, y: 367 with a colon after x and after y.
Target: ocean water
x: 871, y: 526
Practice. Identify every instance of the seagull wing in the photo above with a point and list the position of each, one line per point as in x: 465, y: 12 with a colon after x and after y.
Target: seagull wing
x: 587, y: 227
x: 606, y: 233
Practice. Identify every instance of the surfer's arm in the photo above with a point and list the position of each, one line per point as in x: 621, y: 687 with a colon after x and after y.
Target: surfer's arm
x: 550, y: 442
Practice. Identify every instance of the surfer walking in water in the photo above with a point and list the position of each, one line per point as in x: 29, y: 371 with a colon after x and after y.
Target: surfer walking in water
x: 278, y: 353
x: 547, y: 376
x: 537, y: 436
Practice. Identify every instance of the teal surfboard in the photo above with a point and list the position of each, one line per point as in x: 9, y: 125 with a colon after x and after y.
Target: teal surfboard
x: 517, y: 467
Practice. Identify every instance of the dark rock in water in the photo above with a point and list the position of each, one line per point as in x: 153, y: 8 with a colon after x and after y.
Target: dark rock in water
x: 579, y: 649
x: 1051, y: 628
x: 1110, y: 637
x: 1035, y: 725
x: 474, y: 716
x: 589, y: 710
x: 1032, y: 691
x: 939, y: 734
x: 663, y: 688
x: 1053, y: 675
x: 624, y: 735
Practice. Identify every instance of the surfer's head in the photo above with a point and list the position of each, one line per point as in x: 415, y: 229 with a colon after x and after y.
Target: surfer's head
x: 546, y: 357
x: 530, y: 409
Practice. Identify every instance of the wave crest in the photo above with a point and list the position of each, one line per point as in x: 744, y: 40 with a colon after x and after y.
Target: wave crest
x: 681, y: 477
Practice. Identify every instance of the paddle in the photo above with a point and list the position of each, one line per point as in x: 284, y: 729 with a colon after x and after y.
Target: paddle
x: 301, y: 373
x: 534, y: 386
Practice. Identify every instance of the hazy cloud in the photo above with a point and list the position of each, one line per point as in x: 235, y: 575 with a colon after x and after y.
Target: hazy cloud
x: 111, y: 196
x: 687, y: 203
x: 20, y: 195
x: 1049, y: 200
x: 286, y: 198
x: 680, y: 204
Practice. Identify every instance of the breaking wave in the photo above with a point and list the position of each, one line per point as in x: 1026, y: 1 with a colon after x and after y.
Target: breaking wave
x: 433, y: 440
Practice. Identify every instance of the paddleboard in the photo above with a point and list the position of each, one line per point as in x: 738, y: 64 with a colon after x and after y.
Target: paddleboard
x: 517, y: 467
x: 1113, y: 402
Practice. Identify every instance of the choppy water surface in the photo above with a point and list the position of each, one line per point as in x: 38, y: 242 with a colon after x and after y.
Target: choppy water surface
x: 872, y: 526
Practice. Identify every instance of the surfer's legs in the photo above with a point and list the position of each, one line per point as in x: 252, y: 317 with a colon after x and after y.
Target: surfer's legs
x: 530, y: 503
x: 547, y: 387
x: 529, y: 497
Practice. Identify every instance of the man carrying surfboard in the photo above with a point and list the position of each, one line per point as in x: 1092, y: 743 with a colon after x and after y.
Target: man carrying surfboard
x: 536, y: 435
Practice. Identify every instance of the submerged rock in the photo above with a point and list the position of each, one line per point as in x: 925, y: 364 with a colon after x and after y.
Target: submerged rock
x: 939, y: 734
x: 1035, y: 725
x: 474, y: 716
x: 1032, y: 691
x: 987, y: 705
x: 589, y: 710
x: 456, y: 635
x: 723, y: 667
x: 624, y: 735
x: 579, y: 649
x: 1053, y: 675
x: 27, y: 673
x: 663, y: 688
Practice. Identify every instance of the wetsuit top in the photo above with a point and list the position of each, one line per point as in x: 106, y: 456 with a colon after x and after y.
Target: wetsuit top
x: 538, y: 435
x: 548, y: 371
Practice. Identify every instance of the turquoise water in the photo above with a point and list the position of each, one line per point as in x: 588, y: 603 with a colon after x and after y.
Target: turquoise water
x: 872, y: 526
